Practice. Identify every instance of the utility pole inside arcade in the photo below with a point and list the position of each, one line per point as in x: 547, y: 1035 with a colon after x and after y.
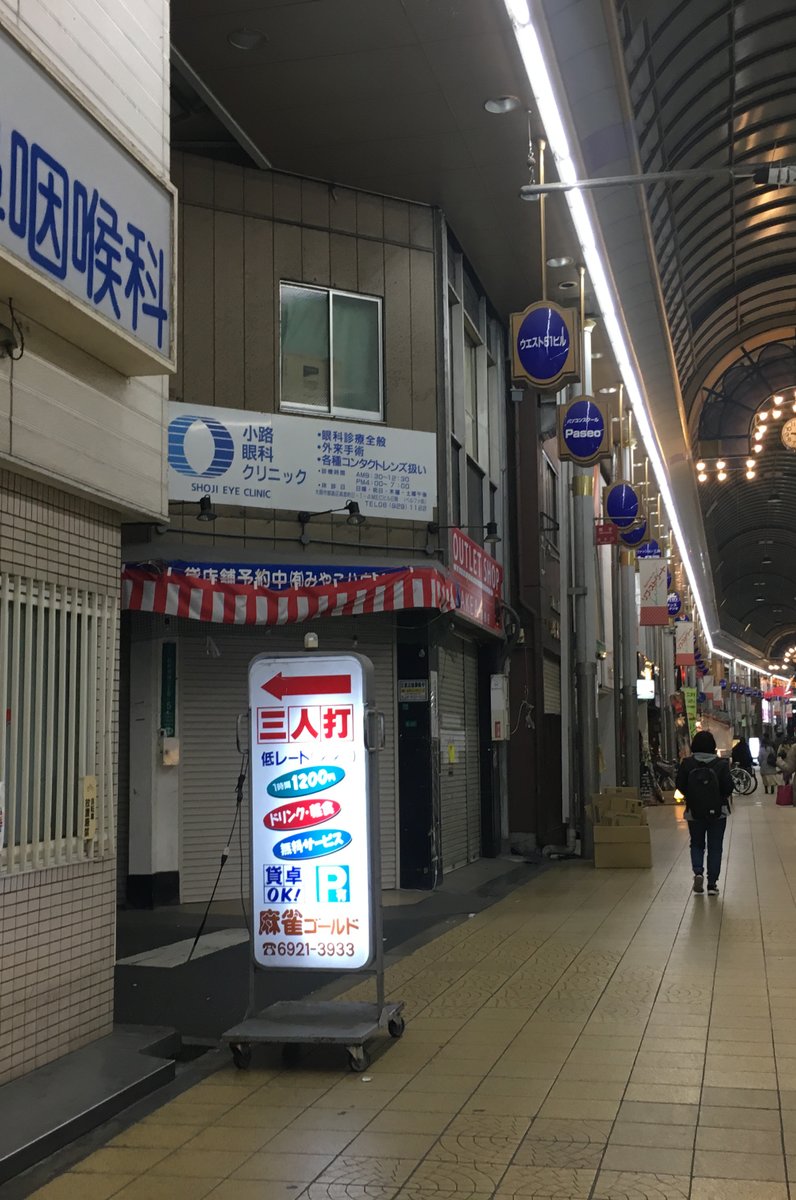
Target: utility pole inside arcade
x: 585, y: 595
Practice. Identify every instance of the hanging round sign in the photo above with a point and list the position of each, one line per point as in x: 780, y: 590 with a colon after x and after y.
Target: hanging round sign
x: 674, y: 603
x: 651, y: 550
x: 545, y: 344
x: 621, y: 504
x: 583, y: 431
x: 637, y: 536
x: 723, y: 684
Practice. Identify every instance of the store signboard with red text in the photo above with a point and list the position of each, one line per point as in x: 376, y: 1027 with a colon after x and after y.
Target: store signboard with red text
x: 478, y: 579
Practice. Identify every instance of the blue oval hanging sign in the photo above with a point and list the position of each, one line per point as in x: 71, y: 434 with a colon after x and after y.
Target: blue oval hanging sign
x: 545, y: 345
x: 674, y: 603
x: 583, y: 431
x: 651, y: 550
x: 637, y: 536
x: 622, y: 504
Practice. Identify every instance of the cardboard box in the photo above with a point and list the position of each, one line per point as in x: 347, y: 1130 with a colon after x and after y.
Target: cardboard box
x: 622, y: 847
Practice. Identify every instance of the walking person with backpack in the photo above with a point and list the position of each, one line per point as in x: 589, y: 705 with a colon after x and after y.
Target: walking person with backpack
x: 706, y: 782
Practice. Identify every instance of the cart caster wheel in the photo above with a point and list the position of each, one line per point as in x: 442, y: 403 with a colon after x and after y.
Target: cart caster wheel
x: 291, y: 1054
x: 396, y: 1027
x: 242, y: 1055
x: 358, y: 1059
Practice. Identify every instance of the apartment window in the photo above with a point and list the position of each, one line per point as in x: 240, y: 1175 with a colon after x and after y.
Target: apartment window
x: 549, y: 498
x: 331, y: 352
x: 475, y: 502
x: 456, y: 484
x: 471, y: 397
x: 57, y: 688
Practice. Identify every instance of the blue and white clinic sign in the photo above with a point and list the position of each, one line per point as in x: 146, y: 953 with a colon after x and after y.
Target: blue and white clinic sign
x: 80, y: 214
x: 674, y: 603
x: 584, y: 431
x: 545, y: 345
x: 312, y: 838
x: 621, y: 504
x: 264, y: 460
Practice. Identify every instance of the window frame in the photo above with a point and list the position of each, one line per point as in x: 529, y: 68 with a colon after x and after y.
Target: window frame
x: 334, y: 412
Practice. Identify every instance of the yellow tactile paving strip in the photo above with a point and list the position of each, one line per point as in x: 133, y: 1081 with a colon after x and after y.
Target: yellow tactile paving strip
x: 595, y: 1035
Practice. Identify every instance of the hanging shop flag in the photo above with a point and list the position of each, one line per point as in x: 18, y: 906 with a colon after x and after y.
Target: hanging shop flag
x: 684, y: 644
x: 584, y: 431
x: 690, y: 698
x: 621, y: 504
x: 545, y: 346
x: 652, y: 580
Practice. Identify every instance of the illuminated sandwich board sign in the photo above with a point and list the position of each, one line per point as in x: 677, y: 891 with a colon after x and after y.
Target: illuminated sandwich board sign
x: 313, y: 875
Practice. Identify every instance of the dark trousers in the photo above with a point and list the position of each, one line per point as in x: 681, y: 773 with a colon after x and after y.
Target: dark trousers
x: 711, y: 832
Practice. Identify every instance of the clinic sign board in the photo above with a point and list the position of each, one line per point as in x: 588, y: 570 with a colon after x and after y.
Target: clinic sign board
x: 478, y: 580
x: 584, y: 431
x: 545, y: 346
x: 83, y: 219
x: 313, y: 874
x: 270, y: 460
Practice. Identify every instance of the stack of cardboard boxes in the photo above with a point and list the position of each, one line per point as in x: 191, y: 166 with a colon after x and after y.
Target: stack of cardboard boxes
x: 621, y: 832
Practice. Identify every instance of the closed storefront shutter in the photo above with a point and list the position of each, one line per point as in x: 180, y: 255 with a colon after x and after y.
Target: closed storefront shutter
x: 123, y: 786
x: 212, y: 672
x: 552, y: 685
x: 472, y: 754
x: 460, y: 781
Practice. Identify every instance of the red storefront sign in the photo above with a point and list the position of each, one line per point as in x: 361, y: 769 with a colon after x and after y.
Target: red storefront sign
x: 478, y: 580
x: 606, y: 533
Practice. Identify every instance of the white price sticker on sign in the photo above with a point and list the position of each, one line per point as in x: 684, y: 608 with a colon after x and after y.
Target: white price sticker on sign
x: 312, y: 873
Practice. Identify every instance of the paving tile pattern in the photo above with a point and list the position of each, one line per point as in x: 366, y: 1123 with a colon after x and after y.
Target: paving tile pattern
x: 594, y: 1036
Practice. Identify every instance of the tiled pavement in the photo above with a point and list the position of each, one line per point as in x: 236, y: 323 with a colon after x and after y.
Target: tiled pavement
x: 596, y: 1034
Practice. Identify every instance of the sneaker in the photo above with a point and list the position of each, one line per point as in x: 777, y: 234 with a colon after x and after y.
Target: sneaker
x: 699, y: 884
x: 713, y: 889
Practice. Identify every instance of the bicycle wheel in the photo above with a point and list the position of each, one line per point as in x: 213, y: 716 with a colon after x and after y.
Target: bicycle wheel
x: 753, y: 788
x: 742, y: 781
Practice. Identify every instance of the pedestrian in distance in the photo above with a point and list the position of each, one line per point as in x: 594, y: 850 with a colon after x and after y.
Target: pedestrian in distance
x: 786, y: 763
x: 706, y: 782
x: 742, y: 755
x: 767, y: 761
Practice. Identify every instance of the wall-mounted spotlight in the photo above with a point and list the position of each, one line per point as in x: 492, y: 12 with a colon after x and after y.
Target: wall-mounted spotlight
x: 206, y: 510
x: 351, y: 507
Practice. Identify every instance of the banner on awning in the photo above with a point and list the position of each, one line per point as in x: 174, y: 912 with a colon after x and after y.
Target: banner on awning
x: 652, y: 580
x: 157, y: 588
x: 684, y: 644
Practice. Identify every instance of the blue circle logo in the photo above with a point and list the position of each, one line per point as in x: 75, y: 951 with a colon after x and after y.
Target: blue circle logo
x: 674, y: 604
x: 651, y: 550
x: 635, y: 537
x: 223, y: 447
x: 621, y: 505
x: 543, y: 344
x: 583, y: 430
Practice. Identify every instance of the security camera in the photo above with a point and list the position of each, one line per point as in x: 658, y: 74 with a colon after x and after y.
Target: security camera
x: 8, y: 341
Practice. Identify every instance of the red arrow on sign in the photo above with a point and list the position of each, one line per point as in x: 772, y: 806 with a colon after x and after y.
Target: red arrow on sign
x: 308, y: 685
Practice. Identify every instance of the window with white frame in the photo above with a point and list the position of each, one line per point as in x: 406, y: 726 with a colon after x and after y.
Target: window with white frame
x: 331, y: 352
x: 57, y: 690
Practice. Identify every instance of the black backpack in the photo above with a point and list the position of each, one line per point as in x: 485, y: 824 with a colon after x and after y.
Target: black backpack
x: 772, y: 758
x: 704, y: 794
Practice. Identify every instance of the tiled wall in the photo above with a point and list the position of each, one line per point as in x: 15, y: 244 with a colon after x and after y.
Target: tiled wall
x: 57, y: 927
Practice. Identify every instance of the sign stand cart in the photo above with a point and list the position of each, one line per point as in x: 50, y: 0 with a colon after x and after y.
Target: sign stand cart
x: 324, y: 722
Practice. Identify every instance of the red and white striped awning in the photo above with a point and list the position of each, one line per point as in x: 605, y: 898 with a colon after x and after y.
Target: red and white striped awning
x: 155, y: 589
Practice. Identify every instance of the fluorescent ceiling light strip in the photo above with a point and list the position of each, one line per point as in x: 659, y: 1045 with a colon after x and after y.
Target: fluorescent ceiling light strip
x: 541, y: 84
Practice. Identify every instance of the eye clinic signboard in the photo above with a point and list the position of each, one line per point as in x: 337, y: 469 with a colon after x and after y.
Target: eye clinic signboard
x: 545, y: 345
x: 584, y: 431
x: 313, y: 873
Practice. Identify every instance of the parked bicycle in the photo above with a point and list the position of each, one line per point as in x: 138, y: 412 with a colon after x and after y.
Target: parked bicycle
x: 744, y: 782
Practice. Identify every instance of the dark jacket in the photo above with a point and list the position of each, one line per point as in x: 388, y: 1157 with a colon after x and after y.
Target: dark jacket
x: 742, y: 755
x: 722, y: 769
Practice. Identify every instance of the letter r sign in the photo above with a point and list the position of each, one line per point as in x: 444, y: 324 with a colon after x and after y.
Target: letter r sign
x: 333, y: 885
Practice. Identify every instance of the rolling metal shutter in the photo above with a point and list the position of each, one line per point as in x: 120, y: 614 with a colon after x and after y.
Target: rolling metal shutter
x: 552, y: 685
x: 123, y: 773
x: 472, y: 753
x: 212, y: 691
x: 460, y: 782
